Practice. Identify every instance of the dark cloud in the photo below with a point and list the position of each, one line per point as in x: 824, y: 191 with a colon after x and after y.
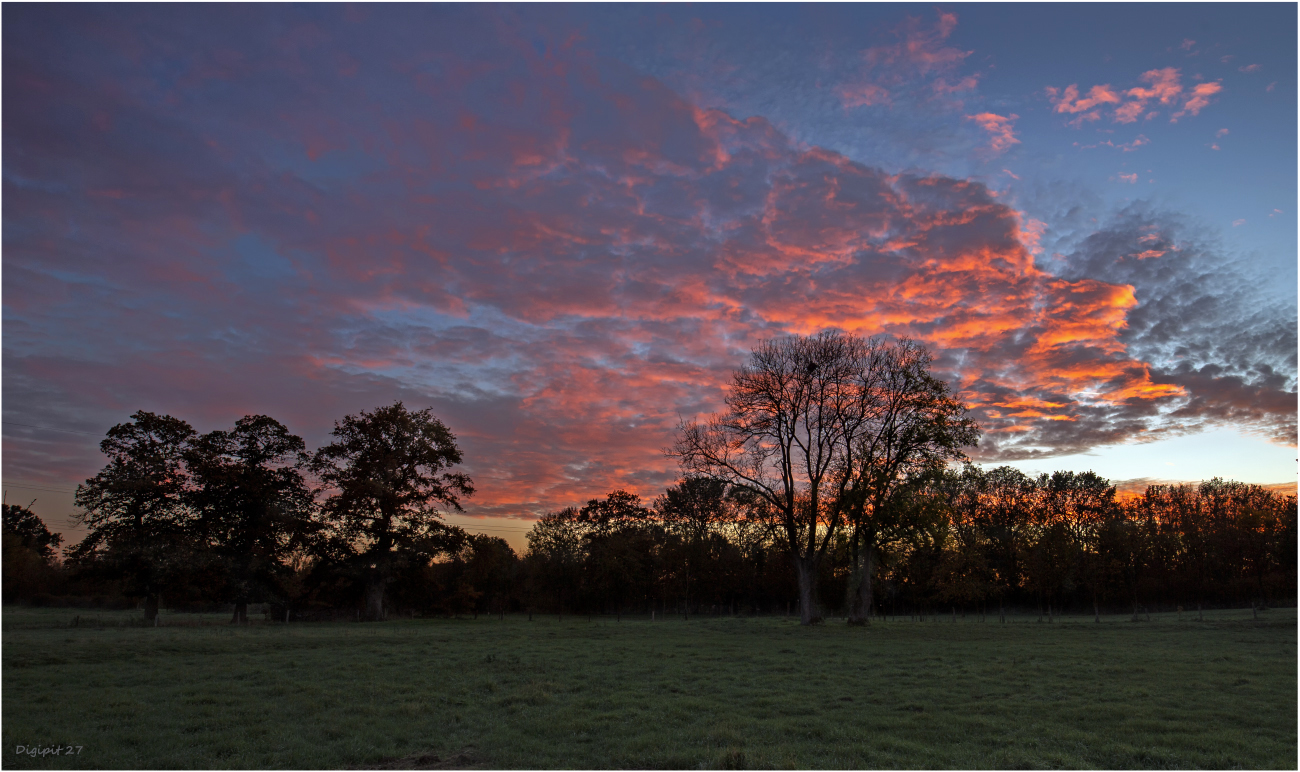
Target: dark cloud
x: 1204, y: 321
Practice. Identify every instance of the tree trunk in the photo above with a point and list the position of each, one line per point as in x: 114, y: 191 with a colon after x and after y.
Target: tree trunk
x: 1096, y: 611
x: 806, y: 570
x: 375, y: 586
x: 859, y: 600
x: 151, y: 607
x: 241, y: 613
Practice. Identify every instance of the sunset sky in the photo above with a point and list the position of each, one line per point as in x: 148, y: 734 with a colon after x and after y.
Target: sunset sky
x: 563, y: 227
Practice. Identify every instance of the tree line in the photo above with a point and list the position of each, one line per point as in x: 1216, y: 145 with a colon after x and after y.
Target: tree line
x: 834, y: 481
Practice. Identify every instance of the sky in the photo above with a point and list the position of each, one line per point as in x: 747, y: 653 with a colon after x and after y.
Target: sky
x: 563, y: 227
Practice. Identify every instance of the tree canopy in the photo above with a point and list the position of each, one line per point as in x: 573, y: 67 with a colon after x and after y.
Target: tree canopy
x: 388, y: 473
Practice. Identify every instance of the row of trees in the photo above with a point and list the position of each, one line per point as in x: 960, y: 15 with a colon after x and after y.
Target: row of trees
x: 830, y: 481
x: 961, y: 539
x: 248, y: 510
x: 967, y: 539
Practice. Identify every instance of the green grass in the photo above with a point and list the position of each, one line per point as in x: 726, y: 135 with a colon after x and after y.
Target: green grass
x: 704, y: 693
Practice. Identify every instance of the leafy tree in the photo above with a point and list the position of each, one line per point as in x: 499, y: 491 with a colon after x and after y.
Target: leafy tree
x: 252, y: 506
x: 24, y: 528
x: 29, y: 552
x: 387, y: 471
x: 694, y: 509
x: 490, y: 568
x: 616, y: 561
x: 139, y: 526
x: 556, y: 553
x: 1082, y: 504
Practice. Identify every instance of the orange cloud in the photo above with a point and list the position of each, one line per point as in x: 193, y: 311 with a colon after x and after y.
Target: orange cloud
x: 1163, y: 87
x: 561, y: 289
x: 1200, y: 98
x: 1000, y: 129
x: 919, y: 59
x: 1068, y: 101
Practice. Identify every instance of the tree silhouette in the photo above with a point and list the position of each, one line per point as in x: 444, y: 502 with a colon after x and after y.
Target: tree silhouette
x: 139, y: 528
x: 386, y: 472
x: 252, y: 507
x: 788, y: 436
x: 29, y: 553
x: 24, y: 528
x: 913, y: 427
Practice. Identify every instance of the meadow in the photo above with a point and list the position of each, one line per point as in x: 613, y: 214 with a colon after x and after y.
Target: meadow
x: 600, y: 693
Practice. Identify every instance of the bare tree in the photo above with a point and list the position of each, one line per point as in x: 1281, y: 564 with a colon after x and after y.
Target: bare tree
x: 911, y: 426
x: 789, y: 433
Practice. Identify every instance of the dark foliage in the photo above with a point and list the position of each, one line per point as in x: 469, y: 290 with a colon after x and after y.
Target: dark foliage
x: 140, y: 531
x: 385, y: 471
x: 228, y: 518
x: 252, y: 509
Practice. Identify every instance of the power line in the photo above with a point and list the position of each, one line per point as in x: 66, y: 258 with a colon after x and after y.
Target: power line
x: 50, y: 428
x: 37, y: 487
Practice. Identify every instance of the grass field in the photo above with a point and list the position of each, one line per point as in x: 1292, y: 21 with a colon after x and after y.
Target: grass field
x: 704, y: 693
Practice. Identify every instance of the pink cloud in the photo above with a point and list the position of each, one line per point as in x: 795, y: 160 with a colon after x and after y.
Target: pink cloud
x: 919, y: 61
x: 863, y: 95
x: 1000, y: 129
x: 1200, y: 97
x: 1123, y: 147
x: 943, y: 87
x: 1163, y: 87
x: 1129, y: 178
x: 1249, y: 68
x: 561, y: 264
x: 1129, y: 111
x: 1068, y: 101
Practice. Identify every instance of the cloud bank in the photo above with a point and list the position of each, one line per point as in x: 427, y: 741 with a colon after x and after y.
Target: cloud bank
x: 310, y: 211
